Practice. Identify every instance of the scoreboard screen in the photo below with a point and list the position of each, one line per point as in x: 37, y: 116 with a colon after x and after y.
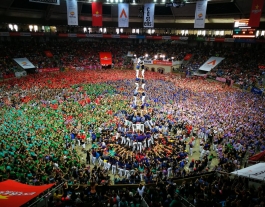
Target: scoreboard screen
x: 243, y: 33
x: 242, y: 30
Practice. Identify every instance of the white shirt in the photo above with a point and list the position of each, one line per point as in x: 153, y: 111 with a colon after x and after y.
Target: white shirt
x: 141, y: 192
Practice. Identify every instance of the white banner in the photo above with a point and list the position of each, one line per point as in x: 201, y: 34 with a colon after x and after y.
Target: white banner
x: 149, y: 12
x: 24, y: 63
x: 211, y: 63
x: 177, y: 62
x: 130, y: 54
x: 123, y: 15
x: 255, y: 171
x: 54, y: 2
x: 20, y: 74
x: 72, y: 13
x: 148, y: 62
x: 200, y: 14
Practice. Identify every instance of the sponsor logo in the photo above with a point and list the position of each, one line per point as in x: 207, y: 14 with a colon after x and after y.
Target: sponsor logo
x: 166, y: 37
x: 97, y: 14
x: 72, y: 14
x: 213, y: 62
x: 123, y: 13
x: 148, y: 62
x: 4, y: 195
x: 105, y: 58
x: 256, y: 10
x: 24, y: 63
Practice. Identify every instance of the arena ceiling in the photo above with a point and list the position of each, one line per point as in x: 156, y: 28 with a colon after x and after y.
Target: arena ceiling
x: 218, y: 11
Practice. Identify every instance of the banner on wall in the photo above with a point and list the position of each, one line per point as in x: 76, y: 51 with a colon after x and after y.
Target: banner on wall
x: 200, y: 14
x: 20, y: 74
x: 15, y: 194
x: 96, y: 14
x: 72, y: 12
x: 105, y: 58
x: 54, y: 2
x: 46, y: 70
x: 255, y: 13
x: 211, y: 63
x: 24, y: 63
x: 162, y: 62
x: 130, y: 54
x: 149, y: 11
x: 123, y: 15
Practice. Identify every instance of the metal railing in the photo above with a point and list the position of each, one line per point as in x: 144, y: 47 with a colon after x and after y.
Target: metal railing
x: 44, y: 198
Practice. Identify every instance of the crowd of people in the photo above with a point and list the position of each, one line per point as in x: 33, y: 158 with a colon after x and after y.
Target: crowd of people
x: 70, y: 127
x: 216, y: 190
x: 241, y: 64
x: 45, y: 116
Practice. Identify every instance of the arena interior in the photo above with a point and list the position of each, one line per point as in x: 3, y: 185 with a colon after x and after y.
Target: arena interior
x: 132, y: 103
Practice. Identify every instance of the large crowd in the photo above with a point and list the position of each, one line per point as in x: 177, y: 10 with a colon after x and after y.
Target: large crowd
x: 241, y: 64
x: 69, y: 127
x: 213, y: 190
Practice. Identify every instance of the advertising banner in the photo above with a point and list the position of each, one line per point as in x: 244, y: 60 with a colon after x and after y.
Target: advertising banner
x: 96, y: 14
x: 149, y: 11
x: 255, y: 13
x: 105, y: 58
x: 24, y: 63
x: 211, y: 63
x: 16, y: 194
x: 123, y: 15
x: 72, y: 12
x: 161, y: 62
x: 200, y: 14
x: 54, y: 2
x: 46, y: 70
x: 20, y: 74
x: 148, y: 62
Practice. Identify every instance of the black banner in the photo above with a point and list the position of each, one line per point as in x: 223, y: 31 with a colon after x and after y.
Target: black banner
x: 55, y: 2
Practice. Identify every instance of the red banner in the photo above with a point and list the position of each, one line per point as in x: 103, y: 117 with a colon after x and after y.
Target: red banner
x: 48, y: 54
x: 46, y: 70
x: 105, y: 58
x: 96, y: 14
x: 255, y: 13
x: 261, y: 67
x: 187, y: 57
x: 161, y: 62
x: 16, y: 194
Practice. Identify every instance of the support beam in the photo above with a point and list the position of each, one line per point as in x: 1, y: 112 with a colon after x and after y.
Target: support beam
x: 238, y: 7
x: 173, y: 13
x: 48, y: 12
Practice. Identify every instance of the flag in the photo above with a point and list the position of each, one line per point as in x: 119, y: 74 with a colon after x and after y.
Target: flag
x: 96, y: 14
x: 149, y: 11
x: 105, y: 58
x: 48, y: 53
x: 16, y: 194
x: 123, y: 15
x: 72, y: 13
x: 255, y: 13
x: 200, y: 14
x: 187, y: 57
